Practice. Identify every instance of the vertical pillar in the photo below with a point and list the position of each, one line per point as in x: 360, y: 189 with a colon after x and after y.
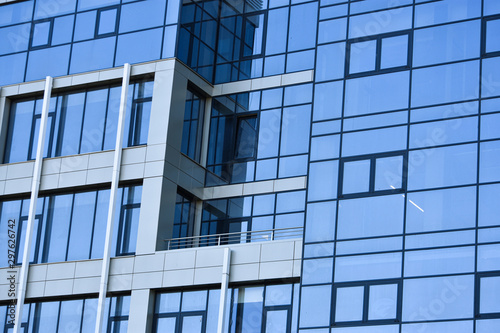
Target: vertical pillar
x: 223, y: 289
x: 142, y: 310
x: 35, y: 187
x: 162, y: 160
x: 206, y: 131
x: 103, y: 288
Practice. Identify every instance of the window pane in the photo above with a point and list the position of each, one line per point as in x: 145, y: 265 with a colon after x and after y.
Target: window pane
x: 490, y: 289
x: 356, y: 178
x: 71, y: 124
x: 246, y: 135
x: 93, y: 124
x: 19, y: 131
x: 58, y: 228
x: 394, y: 52
x: 492, y: 41
x: 276, y: 321
x: 81, y: 226
x: 315, y: 304
x: 47, y: 320
x: 194, y: 300
x: 389, y: 173
x: 41, y: 33
x: 349, y: 304
x: 107, y: 21
x: 362, y: 56
x: 166, y: 325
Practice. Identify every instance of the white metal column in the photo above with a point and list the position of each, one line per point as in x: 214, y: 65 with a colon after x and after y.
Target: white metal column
x: 205, y: 131
x: 103, y: 288
x: 223, y: 289
x: 35, y: 187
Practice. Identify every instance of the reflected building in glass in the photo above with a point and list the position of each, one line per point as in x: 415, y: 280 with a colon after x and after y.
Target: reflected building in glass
x: 257, y: 166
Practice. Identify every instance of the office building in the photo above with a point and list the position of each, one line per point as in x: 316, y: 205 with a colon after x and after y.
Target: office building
x: 295, y: 166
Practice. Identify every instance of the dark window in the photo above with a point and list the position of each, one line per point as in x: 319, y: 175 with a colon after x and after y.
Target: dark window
x: 379, y: 54
x: 487, y: 303
x: 183, y: 222
x: 490, y: 40
x: 372, y: 302
x: 193, y: 125
x: 372, y: 175
x: 233, y: 141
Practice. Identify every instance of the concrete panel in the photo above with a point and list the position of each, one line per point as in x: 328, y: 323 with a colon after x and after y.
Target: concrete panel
x: 51, y: 166
x: 74, y: 163
x: 2, y: 187
x: 298, y: 77
x: 226, y: 191
x: 71, y: 179
x: 62, y: 82
x: 180, y: 259
x: 149, y: 263
x: 145, y: 68
x: 132, y: 171
x: 208, y: 275
x: 20, y: 170
x: 289, y: 184
x: 58, y: 288
x: 258, y: 187
x: 276, y: 270
x: 164, y: 65
x: 154, y: 169
x: 140, y: 320
x: 3, y: 172
x: 277, y: 250
x: 111, y: 74
x: 236, y: 87
x: 121, y: 265
x: 297, y: 264
x: 59, y: 271
x: 298, y: 250
x: 86, y: 285
x: 247, y: 272
x: 37, y: 273
x: 266, y: 82
x: 49, y: 182
x: 182, y: 277
x: 85, y: 78
x: 88, y: 268
x: 21, y: 185
x: 35, y: 289
x: 245, y: 254
x: 31, y: 87
x: 101, y: 175
x: 155, y: 152
x: 10, y: 90
x: 208, y: 257
x: 101, y: 159
x: 120, y: 282
x: 147, y: 280
x: 134, y: 155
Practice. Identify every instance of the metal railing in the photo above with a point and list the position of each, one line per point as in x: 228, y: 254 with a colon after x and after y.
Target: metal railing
x: 234, y: 238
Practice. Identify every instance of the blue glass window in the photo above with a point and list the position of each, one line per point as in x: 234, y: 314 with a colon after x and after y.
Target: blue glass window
x: 378, y: 54
x: 72, y: 226
x: 193, y: 125
x: 107, y: 21
x: 41, y: 34
x: 380, y: 174
x: 491, y: 29
x: 488, y: 286
x: 371, y: 302
x: 78, y: 123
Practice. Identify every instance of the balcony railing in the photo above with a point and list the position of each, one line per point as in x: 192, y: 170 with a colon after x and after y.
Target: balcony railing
x: 234, y: 238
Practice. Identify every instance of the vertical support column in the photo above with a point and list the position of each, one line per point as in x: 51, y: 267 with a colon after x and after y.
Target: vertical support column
x: 141, y: 319
x: 223, y: 289
x: 206, y: 131
x: 35, y: 187
x: 103, y: 288
x: 161, y: 172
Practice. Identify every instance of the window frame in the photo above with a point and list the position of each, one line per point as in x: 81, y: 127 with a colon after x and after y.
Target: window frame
x: 372, y: 175
x: 366, y: 301
x: 49, y: 37
x: 98, y: 21
x: 477, y: 298
x: 484, y: 31
x: 378, y: 54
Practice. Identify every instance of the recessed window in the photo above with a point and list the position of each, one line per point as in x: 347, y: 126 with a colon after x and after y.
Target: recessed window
x: 383, y: 53
x: 491, y: 30
x: 246, y: 137
x: 41, y: 33
x: 370, y: 302
x: 488, y: 289
x: 193, y: 125
x: 107, y: 21
x: 379, y: 174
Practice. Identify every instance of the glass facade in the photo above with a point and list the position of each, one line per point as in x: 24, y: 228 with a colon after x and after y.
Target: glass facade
x: 371, y: 125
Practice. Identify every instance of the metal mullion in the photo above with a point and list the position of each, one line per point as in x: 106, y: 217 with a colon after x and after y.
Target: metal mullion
x: 366, y: 300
